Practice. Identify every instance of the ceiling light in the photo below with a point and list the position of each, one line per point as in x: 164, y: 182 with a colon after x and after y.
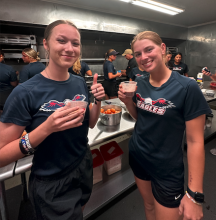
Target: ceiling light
x: 157, y: 6
x: 163, y: 5
x: 126, y: 1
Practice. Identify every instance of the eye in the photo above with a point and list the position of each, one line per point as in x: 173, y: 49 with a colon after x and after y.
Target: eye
x: 61, y: 41
x: 76, y: 44
x: 137, y: 54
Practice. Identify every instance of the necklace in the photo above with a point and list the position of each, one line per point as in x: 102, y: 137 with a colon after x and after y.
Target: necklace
x: 47, y: 74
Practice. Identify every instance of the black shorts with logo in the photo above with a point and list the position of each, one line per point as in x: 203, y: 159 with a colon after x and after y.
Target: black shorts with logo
x: 62, y: 196
x: 169, y: 197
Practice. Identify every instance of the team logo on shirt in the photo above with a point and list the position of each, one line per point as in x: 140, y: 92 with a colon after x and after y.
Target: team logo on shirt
x: 138, y: 75
x: 177, y: 68
x: 53, y: 105
x: 158, y: 106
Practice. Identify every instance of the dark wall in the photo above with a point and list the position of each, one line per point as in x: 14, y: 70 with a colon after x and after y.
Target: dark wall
x: 201, y: 49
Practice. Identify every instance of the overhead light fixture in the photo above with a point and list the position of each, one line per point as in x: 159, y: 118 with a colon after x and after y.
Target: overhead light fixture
x: 157, y: 6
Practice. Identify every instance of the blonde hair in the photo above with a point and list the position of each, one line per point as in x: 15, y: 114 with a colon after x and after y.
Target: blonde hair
x: 31, y: 53
x: 77, y: 66
x: 150, y: 35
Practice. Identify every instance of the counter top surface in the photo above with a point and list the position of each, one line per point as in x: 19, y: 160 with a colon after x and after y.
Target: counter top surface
x: 101, y: 132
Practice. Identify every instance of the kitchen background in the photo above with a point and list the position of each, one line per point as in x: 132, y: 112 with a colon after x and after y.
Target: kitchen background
x: 102, y: 31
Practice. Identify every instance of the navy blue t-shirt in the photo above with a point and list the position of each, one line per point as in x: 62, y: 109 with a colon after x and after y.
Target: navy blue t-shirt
x: 30, y: 70
x: 109, y: 68
x: 32, y: 102
x: 84, y: 69
x: 161, y: 116
x: 181, y: 68
x: 7, y: 75
x: 136, y: 72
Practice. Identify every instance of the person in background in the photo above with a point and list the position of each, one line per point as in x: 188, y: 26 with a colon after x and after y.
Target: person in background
x: 166, y: 104
x: 8, y: 80
x: 168, y: 60
x: 110, y: 75
x: 61, y: 178
x: 128, y: 54
x: 179, y: 66
x: 137, y: 72
x: 81, y: 68
x: 213, y: 77
x: 34, y: 67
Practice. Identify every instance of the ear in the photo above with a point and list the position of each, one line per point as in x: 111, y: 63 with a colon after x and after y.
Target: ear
x: 163, y: 48
x: 45, y: 44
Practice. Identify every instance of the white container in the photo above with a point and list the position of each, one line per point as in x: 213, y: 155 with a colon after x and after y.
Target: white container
x: 112, y: 155
x: 210, y: 92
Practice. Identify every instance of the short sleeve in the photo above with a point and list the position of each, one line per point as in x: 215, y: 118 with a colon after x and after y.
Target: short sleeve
x: 195, y: 103
x: 13, y: 76
x: 17, y: 107
x: 186, y: 68
x: 110, y: 68
x: 132, y: 74
x: 24, y: 75
x: 86, y: 67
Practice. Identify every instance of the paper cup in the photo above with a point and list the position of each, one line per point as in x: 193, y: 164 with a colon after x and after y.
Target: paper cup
x: 129, y: 87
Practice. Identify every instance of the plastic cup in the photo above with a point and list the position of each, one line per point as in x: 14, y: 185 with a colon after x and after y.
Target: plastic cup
x: 129, y: 87
x: 80, y: 104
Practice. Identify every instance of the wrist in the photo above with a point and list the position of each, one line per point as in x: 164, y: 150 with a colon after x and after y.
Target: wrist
x: 195, y: 195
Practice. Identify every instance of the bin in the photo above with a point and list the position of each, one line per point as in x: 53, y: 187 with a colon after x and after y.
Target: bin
x: 98, y: 162
x: 112, y: 155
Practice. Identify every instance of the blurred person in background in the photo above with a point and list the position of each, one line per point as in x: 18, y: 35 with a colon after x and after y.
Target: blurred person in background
x: 80, y: 68
x: 179, y: 66
x: 137, y: 72
x: 168, y: 60
x: 34, y: 67
x: 128, y: 54
x: 213, y: 77
x: 8, y: 80
x: 110, y: 75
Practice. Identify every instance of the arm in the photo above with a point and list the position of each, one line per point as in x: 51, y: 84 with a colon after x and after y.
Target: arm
x: 89, y: 73
x: 62, y: 119
x: 98, y: 92
x: 112, y: 76
x: 14, y: 84
x: 123, y: 72
x: 196, y: 163
x: 213, y: 77
x: 186, y: 74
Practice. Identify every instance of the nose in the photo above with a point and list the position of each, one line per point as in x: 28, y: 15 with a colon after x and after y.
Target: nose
x: 143, y: 56
x: 70, y: 47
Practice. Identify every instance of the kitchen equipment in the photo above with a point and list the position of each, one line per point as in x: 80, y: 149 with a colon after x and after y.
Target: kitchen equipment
x: 111, y: 119
x: 112, y: 154
x: 210, y: 92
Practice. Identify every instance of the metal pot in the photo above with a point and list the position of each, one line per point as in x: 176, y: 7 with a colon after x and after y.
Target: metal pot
x: 111, y: 119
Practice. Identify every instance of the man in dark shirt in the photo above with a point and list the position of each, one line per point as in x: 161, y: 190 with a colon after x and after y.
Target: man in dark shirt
x: 128, y: 54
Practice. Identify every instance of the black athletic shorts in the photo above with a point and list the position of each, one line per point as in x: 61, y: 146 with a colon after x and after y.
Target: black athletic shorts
x: 167, y: 196
x: 110, y: 88
x: 62, y: 196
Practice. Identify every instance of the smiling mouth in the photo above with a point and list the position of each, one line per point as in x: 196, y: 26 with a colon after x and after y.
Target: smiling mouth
x: 147, y: 64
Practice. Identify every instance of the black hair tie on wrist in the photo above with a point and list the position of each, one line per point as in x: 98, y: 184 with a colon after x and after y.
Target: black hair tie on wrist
x: 97, y: 100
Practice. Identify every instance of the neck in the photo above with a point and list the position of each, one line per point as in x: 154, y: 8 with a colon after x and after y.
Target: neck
x: 176, y: 63
x: 110, y: 59
x: 55, y: 72
x: 160, y: 75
